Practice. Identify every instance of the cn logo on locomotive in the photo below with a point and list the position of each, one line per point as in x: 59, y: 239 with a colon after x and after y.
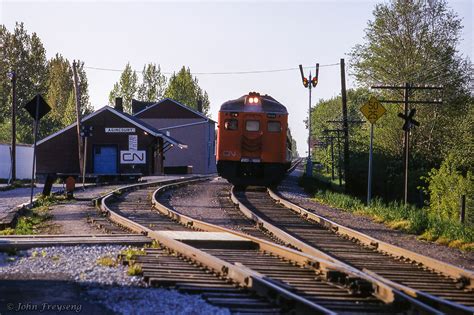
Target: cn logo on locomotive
x: 229, y: 154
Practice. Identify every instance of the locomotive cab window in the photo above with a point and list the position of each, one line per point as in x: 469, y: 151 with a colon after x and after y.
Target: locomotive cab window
x: 252, y: 125
x: 231, y: 124
x: 274, y: 126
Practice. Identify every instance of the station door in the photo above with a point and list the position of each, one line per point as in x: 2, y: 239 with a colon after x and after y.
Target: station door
x: 105, y: 160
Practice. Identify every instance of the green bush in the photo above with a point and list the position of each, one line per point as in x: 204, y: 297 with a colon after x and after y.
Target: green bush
x: 419, y: 221
x: 446, y: 185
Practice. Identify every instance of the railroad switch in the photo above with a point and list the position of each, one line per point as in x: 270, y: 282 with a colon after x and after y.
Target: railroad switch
x: 360, y: 287
x: 336, y: 276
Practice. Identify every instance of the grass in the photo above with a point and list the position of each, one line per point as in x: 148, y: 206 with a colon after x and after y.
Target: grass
x: 135, y: 270
x: 33, y: 220
x: 395, y: 215
x: 132, y: 252
x: 107, y: 261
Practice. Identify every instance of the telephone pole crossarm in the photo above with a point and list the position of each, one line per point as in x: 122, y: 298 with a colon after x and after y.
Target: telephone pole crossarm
x: 409, y: 122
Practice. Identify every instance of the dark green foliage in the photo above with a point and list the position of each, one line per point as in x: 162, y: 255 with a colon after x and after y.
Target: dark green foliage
x: 126, y: 88
x: 25, y: 54
x: 153, y: 83
x: 410, y: 219
x: 185, y: 89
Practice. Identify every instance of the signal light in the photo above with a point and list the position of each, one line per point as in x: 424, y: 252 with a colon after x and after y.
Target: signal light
x: 314, y: 81
x: 305, y: 82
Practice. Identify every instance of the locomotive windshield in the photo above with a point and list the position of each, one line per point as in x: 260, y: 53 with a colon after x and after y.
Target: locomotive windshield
x: 252, y: 125
x: 274, y: 126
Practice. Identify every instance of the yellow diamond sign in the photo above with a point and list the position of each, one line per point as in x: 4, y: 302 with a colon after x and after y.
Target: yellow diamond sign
x: 372, y: 110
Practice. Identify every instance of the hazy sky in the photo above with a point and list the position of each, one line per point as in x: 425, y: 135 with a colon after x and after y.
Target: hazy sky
x: 211, y: 37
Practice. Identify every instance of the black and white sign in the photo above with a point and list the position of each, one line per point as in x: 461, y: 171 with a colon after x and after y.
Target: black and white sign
x: 119, y: 130
x: 133, y: 157
x: 132, y: 142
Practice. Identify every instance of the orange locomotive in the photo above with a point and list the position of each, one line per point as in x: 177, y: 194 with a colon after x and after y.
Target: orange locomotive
x: 253, y: 143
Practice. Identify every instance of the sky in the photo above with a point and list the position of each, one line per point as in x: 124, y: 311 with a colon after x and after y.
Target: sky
x: 211, y: 38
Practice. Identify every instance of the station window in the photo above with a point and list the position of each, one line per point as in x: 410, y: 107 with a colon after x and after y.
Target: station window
x: 231, y: 124
x: 274, y: 126
x: 252, y: 125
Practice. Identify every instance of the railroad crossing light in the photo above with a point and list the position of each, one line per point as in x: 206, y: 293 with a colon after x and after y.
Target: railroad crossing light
x: 314, y: 81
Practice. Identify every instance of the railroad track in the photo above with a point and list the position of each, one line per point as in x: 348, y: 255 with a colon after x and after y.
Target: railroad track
x: 443, y: 286
x: 292, y: 281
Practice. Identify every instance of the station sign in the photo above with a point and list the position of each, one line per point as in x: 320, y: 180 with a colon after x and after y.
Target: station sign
x: 119, y: 130
x: 133, y: 157
x: 133, y: 142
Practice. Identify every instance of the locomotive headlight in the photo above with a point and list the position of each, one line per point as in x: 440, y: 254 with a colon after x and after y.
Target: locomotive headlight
x: 253, y: 98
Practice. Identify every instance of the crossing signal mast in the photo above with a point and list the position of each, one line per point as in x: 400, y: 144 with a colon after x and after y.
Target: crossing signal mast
x: 309, y: 83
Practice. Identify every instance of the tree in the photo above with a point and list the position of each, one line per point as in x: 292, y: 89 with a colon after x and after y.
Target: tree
x: 185, y: 89
x: 153, y: 83
x: 125, y: 88
x: 26, y: 55
x: 415, y: 41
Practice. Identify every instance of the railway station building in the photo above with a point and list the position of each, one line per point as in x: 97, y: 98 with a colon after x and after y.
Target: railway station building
x: 186, y: 125
x: 120, y: 145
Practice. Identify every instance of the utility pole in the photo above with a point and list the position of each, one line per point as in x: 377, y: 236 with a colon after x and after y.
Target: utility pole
x: 331, y: 143
x: 345, y: 125
x: 78, y: 115
x: 12, y: 76
x: 308, y: 84
x: 346, y: 122
x: 409, y: 122
x: 339, y: 159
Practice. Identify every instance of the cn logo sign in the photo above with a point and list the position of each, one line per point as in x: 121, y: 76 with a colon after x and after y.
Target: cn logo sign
x: 229, y: 154
x: 132, y: 157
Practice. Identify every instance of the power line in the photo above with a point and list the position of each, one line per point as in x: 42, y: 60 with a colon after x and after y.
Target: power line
x: 220, y: 73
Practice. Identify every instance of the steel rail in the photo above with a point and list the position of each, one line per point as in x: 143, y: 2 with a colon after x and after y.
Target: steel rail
x: 320, y: 261
x: 242, y: 276
x: 464, y: 276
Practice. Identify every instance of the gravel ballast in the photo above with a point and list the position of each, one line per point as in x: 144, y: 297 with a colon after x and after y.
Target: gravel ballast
x: 201, y: 201
x: 110, y: 287
x: 289, y: 189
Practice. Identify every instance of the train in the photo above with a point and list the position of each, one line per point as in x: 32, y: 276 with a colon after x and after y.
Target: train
x: 254, y: 146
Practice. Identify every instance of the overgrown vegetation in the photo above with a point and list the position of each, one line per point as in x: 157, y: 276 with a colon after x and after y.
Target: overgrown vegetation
x: 135, y: 270
x: 107, y: 261
x: 129, y: 255
x: 413, y: 42
x: 31, y: 221
x: 131, y: 252
x: 420, y: 221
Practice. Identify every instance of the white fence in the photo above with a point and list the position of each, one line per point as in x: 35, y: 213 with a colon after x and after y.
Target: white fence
x: 24, y: 160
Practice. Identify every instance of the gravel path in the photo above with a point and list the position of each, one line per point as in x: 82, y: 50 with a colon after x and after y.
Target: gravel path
x: 11, y: 198
x: 201, y: 201
x: 289, y: 189
x: 109, y: 287
x: 70, y: 217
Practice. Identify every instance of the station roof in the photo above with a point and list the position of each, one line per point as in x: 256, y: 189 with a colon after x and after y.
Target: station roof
x: 149, y: 106
x: 131, y: 119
